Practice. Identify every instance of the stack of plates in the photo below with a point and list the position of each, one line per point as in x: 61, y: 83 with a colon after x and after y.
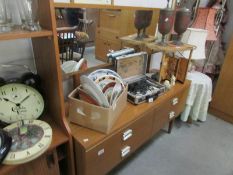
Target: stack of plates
x: 101, y: 87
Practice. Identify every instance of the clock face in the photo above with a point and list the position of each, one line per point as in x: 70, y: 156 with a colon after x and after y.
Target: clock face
x: 29, y: 144
x: 19, y: 102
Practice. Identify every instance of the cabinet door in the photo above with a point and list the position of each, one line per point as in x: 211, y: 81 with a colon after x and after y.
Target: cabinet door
x: 103, y: 47
x: 103, y: 157
x: 223, y: 95
x: 161, y: 116
x: 44, y: 165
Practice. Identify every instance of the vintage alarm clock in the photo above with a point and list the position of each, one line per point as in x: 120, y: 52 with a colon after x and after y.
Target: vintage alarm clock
x: 29, y: 78
x: 30, y: 139
x: 20, y: 102
x: 5, y: 144
x: 19, y: 96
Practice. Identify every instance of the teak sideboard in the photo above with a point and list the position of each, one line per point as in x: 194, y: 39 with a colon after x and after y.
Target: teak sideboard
x: 98, y: 153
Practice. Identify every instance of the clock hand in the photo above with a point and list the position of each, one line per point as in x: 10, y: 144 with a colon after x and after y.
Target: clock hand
x: 7, y: 100
x: 24, y: 99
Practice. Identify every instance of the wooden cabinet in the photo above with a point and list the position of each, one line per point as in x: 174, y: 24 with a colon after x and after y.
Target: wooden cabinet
x: 114, y: 24
x: 98, y: 153
x: 222, y: 101
x: 58, y: 158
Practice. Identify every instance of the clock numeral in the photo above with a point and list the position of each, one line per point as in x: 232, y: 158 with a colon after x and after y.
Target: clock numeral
x: 47, y: 136
x: 28, y: 153
x: 38, y: 102
x: 3, y: 92
x: 40, y: 145
x: 37, y: 110
x: 12, y: 156
x: 26, y: 90
x: 14, y: 89
x: 30, y: 121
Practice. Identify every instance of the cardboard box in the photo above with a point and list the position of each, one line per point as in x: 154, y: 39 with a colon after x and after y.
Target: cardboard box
x: 95, y: 117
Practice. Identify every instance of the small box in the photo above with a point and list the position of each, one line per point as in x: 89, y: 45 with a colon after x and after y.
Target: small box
x: 95, y: 117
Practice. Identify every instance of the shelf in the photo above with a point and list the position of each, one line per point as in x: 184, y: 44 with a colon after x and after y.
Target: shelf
x: 19, y: 34
x: 58, y: 138
x: 98, y: 6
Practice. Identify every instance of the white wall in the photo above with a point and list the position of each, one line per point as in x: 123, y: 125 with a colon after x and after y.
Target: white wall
x: 16, y: 52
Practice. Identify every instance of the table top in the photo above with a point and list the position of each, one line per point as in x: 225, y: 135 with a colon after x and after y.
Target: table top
x: 170, y: 47
x: 131, y: 39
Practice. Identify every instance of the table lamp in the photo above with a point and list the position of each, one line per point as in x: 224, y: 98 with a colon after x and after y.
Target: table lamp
x: 196, y: 37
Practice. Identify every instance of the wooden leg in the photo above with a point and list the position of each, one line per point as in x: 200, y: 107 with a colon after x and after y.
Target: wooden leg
x: 190, y: 120
x: 171, y: 123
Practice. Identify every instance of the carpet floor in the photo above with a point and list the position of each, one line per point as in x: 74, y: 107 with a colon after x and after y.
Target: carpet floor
x: 196, y: 149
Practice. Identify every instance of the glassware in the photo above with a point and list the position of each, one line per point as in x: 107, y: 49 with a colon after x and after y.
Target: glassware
x: 4, y: 17
x: 166, y: 19
x: 28, y: 14
x: 183, y: 20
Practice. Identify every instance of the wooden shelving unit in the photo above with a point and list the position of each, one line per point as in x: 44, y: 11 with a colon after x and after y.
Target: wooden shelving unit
x: 58, y: 159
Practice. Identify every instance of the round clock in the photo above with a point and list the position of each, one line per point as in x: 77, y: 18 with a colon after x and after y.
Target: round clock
x: 20, y: 102
x: 30, y: 139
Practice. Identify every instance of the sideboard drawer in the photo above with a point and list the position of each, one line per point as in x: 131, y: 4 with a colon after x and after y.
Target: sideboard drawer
x: 161, y: 116
x: 137, y: 133
x: 103, y: 157
x: 110, y: 19
x: 178, y: 102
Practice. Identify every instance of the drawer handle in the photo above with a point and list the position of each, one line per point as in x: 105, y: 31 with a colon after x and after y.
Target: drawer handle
x: 125, y: 151
x: 171, y: 115
x: 175, y: 101
x: 110, y: 15
x: 127, y: 134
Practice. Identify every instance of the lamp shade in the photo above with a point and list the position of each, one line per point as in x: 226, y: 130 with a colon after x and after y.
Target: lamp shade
x: 196, y: 37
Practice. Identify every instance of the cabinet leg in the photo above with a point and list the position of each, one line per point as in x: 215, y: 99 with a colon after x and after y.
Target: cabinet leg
x: 171, y: 123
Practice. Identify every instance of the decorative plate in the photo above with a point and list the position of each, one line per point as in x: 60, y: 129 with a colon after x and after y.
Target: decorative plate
x: 94, y: 90
x: 87, y: 98
x: 117, y: 90
x: 102, y: 72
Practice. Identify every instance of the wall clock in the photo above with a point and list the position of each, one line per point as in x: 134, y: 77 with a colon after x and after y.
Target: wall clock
x: 30, y: 139
x: 20, y: 102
